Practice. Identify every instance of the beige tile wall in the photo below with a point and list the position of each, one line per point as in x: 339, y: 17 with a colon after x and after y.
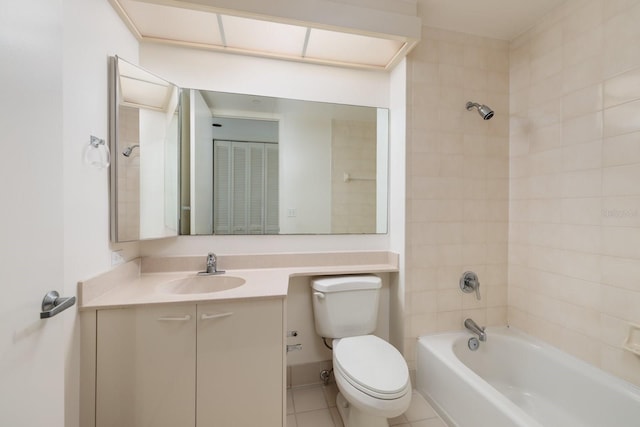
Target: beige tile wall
x: 574, y: 237
x: 353, y: 151
x: 128, y: 174
x: 457, y: 183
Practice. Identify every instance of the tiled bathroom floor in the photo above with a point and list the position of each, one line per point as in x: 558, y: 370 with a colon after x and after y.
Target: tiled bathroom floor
x: 315, y: 406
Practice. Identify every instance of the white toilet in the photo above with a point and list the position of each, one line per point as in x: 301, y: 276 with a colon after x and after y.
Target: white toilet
x: 372, y: 376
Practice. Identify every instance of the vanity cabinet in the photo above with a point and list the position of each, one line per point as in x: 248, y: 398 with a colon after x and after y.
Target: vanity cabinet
x: 212, y: 364
x: 240, y: 364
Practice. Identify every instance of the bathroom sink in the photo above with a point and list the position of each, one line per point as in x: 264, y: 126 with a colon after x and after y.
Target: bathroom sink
x: 201, y: 284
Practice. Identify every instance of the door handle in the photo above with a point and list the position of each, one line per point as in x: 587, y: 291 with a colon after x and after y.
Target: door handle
x: 53, y: 304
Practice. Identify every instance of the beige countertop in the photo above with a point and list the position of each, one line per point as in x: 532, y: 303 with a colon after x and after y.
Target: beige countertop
x: 144, y: 281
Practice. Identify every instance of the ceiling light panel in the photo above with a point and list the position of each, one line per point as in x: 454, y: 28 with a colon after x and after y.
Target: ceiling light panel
x: 161, y: 22
x: 172, y: 23
x: 263, y: 36
x: 351, y: 48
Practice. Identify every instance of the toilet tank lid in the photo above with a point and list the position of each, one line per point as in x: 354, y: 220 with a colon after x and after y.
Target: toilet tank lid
x: 347, y: 283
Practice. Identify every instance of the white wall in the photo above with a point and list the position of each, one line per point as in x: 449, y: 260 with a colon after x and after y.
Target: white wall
x: 305, y: 173
x: 152, y: 132
x: 158, y: 179
x: 201, y: 69
x: 233, y: 73
x: 201, y: 165
x: 172, y: 171
x: 92, y: 31
x: 382, y: 168
x: 397, y: 202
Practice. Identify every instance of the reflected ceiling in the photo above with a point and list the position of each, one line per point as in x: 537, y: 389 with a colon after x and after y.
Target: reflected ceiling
x: 141, y: 89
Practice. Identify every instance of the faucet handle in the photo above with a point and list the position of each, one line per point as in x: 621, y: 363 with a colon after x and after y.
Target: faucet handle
x: 469, y: 282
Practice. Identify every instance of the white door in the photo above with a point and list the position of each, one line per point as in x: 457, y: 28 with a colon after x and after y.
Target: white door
x: 31, y: 230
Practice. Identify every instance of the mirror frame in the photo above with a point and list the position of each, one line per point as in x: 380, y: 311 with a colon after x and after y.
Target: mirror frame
x: 113, y: 143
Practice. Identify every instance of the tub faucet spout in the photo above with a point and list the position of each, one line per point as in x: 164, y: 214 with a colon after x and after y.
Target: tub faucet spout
x: 473, y: 327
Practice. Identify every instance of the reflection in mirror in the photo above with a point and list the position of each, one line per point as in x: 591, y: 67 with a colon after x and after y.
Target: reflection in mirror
x: 144, y: 135
x: 261, y: 165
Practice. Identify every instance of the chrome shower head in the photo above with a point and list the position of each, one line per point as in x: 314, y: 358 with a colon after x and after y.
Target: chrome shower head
x: 127, y: 152
x: 485, y: 112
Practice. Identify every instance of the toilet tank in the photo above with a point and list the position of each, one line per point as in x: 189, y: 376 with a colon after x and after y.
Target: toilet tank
x: 345, y: 306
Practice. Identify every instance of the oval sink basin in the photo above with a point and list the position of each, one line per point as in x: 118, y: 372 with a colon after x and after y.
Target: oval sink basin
x: 201, y: 284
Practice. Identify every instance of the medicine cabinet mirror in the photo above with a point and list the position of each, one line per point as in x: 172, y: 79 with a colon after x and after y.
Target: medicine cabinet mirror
x: 144, y: 141
x: 258, y: 165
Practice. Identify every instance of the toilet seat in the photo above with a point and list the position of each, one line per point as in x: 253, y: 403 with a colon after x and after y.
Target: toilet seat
x: 372, y: 365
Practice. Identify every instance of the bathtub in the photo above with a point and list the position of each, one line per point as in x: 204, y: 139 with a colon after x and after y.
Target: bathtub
x: 515, y: 380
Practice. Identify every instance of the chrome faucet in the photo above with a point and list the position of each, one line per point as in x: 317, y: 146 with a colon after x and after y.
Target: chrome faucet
x: 212, y: 266
x: 473, y: 327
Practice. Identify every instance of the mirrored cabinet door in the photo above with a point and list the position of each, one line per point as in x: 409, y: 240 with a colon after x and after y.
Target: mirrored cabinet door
x: 144, y: 141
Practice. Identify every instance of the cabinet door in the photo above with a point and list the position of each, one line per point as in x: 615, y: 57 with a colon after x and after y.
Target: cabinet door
x: 240, y: 378
x: 145, y: 372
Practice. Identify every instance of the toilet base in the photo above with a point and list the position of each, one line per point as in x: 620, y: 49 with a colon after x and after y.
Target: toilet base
x: 353, y: 417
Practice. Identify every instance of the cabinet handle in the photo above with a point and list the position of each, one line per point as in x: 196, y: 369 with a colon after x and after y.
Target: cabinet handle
x: 175, y: 318
x: 216, y: 316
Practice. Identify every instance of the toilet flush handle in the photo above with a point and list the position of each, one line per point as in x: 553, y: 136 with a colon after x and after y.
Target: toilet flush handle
x: 319, y: 295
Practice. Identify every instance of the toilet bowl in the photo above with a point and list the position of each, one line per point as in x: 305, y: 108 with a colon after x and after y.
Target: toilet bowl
x: 373, y: 380
x: 371, y: 374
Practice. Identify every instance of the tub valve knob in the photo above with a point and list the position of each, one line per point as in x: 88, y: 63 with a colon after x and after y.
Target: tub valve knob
x: 469, y: 282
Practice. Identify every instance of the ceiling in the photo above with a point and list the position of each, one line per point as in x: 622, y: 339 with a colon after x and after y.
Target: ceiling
x: 196, y: 23
x: 187, y: 24
x: 499, y: 19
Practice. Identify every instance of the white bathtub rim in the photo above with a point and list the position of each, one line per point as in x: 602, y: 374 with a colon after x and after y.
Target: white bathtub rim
x: 572, y: 362
x: 444, y: 353
x: 538, y: 345
x: 450, y: 359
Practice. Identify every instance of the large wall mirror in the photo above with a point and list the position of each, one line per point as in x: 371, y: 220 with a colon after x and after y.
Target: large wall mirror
x: 261, y: 165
